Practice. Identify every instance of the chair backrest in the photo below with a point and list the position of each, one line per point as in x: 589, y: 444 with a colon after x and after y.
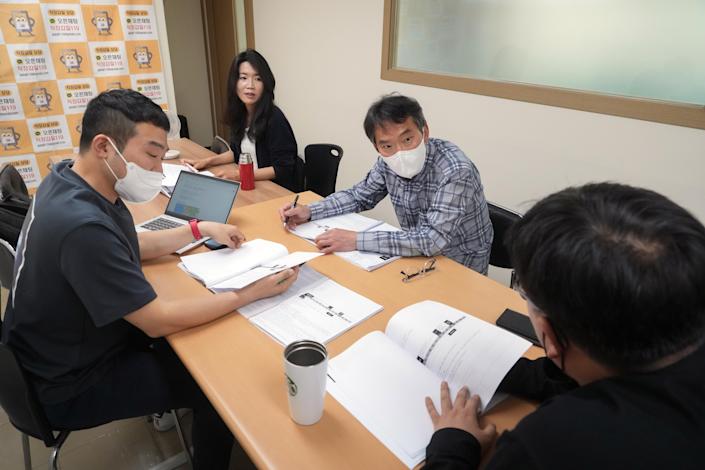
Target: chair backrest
x: 14, y: 203
x: 220, y: 145
x: 501, y: 218
x: 322, y: 161
x: 299, y: 179
x: 18, y: 399
x: 7, y: 263
x: 183, y: 132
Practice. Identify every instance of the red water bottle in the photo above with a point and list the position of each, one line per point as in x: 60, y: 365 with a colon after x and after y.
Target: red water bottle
x: 247, y: 172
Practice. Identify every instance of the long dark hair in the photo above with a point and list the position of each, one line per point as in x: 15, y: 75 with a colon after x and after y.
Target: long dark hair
x: 236, y: 113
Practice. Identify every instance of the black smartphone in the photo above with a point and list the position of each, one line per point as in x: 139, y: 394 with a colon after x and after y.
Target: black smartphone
x: 519, y: 324
x: 214, y: 245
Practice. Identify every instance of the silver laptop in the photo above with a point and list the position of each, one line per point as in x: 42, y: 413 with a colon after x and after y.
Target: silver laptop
x: 195, y: 196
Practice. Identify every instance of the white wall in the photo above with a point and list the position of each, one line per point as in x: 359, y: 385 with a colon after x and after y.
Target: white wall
x: 326, y: 57
x: 188, y: 63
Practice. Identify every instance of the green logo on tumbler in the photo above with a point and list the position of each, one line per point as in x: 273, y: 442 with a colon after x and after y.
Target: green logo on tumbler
x: 293, y: 389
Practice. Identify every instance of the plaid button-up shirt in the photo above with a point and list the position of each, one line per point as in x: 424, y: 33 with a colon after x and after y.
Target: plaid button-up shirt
x: 442, y: 210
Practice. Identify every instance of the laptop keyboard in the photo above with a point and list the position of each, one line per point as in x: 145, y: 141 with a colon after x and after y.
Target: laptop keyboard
x: 161, y: 224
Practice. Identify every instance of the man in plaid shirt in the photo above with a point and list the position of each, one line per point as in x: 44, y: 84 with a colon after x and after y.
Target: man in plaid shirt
x: 435, y: 189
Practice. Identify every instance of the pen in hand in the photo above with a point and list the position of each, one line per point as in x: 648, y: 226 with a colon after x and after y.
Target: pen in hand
x: 293, y: 206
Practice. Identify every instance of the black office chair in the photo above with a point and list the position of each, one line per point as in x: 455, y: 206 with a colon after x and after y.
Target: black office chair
x: 7, y: 261
x: 501, y: 218
x: 322, y: 161
x: 18, y: 399
x: 219, y: 145
x: 184, y: 126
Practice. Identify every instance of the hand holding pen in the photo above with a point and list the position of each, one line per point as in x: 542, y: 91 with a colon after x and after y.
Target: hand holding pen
x: 293, y: 206
x: 293, y: 214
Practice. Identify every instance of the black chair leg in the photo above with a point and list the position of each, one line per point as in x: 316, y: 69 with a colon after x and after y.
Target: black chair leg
x: 54, y: 455
x: 180, y: 432
x: 25, y: 452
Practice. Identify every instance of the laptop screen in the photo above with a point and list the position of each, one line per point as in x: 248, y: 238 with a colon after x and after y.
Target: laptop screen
x: 202, y: 197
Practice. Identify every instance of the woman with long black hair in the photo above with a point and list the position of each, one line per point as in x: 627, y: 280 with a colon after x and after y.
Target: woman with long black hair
x: 257, y: 125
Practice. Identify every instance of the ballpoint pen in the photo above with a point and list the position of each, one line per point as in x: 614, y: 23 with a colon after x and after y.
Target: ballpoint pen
x: 293, y: 206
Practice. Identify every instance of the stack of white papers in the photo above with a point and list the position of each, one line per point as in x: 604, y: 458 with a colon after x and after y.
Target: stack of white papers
x: 314, y: 307
x: 357, y: 223
x: 383, y: 378
x: 231, y: 269
x: 171, y: 173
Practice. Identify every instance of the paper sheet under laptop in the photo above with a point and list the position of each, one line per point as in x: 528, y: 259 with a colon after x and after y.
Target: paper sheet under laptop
x: 171, y: 174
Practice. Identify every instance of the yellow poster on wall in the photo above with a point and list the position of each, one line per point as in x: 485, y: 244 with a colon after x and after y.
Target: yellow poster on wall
x: 55, y: 56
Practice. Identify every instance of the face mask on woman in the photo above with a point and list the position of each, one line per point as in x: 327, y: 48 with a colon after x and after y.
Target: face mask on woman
x: 138, y: 185
x: 407, y: 163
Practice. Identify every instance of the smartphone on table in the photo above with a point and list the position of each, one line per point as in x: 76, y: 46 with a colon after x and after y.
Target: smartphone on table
x: 519, y: 324
x: 214, y: 245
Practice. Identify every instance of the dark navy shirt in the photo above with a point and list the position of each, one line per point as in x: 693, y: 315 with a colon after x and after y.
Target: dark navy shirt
x: 77, y: 274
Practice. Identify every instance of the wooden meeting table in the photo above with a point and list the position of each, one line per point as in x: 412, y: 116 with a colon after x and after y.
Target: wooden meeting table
x: 240, y: 368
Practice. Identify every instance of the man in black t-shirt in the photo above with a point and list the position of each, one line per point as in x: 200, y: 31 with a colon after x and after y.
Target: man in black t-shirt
x: 614, y: 279
x: 81, y: 314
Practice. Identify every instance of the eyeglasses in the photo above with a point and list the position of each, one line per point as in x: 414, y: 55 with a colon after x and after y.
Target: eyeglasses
x: 426, y: 269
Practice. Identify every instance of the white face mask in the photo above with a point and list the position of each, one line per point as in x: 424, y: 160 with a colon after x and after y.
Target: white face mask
x: 138, y: 185
x: 407, y: 163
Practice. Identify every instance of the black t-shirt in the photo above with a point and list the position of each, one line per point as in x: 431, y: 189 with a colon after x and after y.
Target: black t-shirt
x: 650, y: 420
x: 77, y: 274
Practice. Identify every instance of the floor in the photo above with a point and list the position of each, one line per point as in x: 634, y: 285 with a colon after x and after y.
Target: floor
x: 127, y: 444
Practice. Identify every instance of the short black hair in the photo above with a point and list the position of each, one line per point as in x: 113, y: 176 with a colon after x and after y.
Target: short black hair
x: 116, y: 113
x: 394, y: 108
x: 618, y: 271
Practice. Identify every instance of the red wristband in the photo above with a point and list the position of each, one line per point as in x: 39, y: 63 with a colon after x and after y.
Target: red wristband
x: 194, y: 229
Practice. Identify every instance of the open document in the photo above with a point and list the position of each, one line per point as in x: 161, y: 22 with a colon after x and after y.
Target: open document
x: 314, y: 307
x: 383, y: 378
x: 356, y: 223
x: 171, y: 173
x: 230, y: 269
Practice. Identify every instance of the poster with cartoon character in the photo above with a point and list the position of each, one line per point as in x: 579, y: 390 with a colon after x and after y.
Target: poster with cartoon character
x: 10, y: 103
x: 138, y: 22
x: 14, y: 138
x: 57, y: 55
x: 102, y: 22
x: 40, y: 99
x: 63, y: 22
x: 151, y: 85
x: 143, y: 56
x: 108, y: 58
x: 71, y: 60
x: 21, y: 23
x: 27, y: 167
x: 76, y: 93
x: 31, y: 62
x: 74, y: 122
x: 6, y: 73
x: 114, y: 82
x: 50, y: 133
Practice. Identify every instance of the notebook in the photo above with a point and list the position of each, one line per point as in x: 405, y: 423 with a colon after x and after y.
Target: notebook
x: 195, y: 196
x: 383, y: 378
x: 357, y: 223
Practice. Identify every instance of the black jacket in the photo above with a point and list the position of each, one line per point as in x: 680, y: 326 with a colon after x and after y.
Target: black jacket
x: 276, y: 148
x: 650, y: 420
